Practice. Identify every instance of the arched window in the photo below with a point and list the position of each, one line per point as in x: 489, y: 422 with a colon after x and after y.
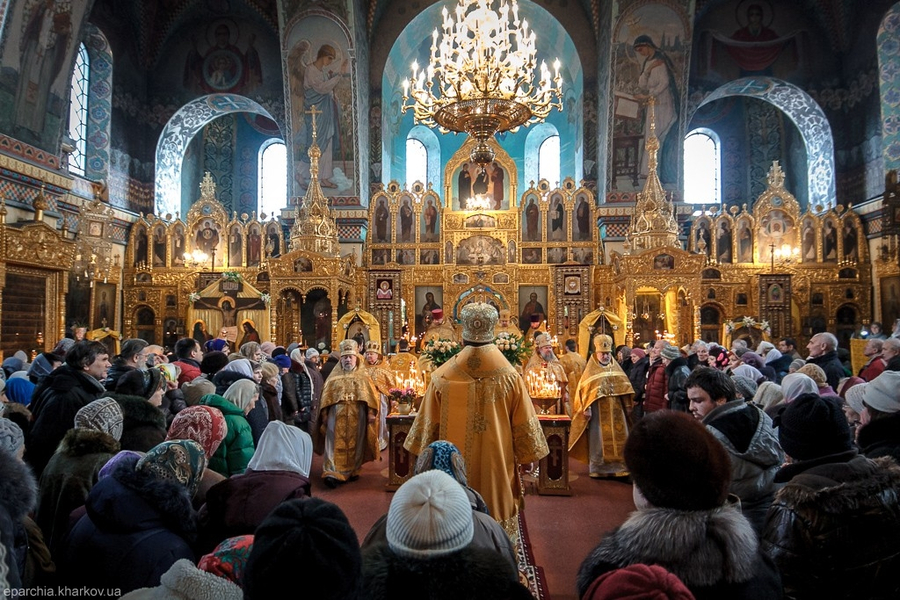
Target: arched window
x: 416, y: 162
x: 78, y: 111
x: 548, y: 160
x: 702, y: 167
x: 272, y: 177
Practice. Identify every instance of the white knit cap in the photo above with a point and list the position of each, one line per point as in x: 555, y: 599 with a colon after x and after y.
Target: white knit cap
x: 430, y: 515
x: 855, y: 397
x: 883, y: 392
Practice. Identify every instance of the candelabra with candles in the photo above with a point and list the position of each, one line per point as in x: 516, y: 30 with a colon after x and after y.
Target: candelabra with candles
x: 544, y: 388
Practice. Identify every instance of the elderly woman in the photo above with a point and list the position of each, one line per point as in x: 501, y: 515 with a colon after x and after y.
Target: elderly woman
x: 278, y: 471
x: 206, y: 426
x: 234, y: 453
x: 235, y: 370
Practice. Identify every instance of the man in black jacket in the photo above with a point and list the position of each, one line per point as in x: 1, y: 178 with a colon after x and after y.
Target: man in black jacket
x: 823, y: 352
x: 132, y: 355
x: 62, y: 393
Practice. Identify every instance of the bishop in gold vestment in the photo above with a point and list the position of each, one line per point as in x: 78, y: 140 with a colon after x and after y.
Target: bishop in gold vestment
x: 600, y: 413
x: 346, y: 423
x: 543, y: 359
x: 478, y: 402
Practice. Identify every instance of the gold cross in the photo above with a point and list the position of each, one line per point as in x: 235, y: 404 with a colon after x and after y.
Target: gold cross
x: 312, y: 111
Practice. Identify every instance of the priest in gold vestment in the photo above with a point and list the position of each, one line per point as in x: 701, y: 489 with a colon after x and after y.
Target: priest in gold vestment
x: 543, y: 359
x: 479, y: 402
x: 505, y: 325
x: 346, y: 423
x: 383, y: 379
x: 600, y: 413
x: 440, y: 328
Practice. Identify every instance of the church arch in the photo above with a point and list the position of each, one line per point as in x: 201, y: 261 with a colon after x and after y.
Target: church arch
x: 810, y: 120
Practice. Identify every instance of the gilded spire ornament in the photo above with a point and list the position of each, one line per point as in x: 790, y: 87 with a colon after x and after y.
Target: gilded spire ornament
x: 314, y: 229
x: 208, y: 187
x: 653, y: 223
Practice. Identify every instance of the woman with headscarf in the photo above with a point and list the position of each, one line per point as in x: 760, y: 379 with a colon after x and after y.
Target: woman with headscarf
x: 234, y: 371
x: 797, y: 384
x: 756, y: 361
x: 42, y: 366
x: 206, y: 426
x: 769, y: 397
x: 278, y: 471
x: 139, y: 521
x: 780, y: 363
x: 234, y: 453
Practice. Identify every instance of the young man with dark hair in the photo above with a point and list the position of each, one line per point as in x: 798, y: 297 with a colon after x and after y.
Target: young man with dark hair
x: 788, y: 346
x: 189, y: 354
x: 747, y: 434
x: 62, y: 393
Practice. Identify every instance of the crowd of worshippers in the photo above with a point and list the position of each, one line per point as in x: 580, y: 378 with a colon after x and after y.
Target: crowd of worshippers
x: 756, y: 473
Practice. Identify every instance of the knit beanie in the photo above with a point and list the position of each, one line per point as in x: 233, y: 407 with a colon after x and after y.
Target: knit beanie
x: 283, y: 361
x: 883, y: 392
x: 229, y: 559
x: 430, y: 515
x: 203, y: 424
x: 19, y: 390
x: 812, y: 426
x: 195, y: 389
x: 11, y: 437
x: 311, y: 353
x: 212, y: 362
x: 312, y: 540
x: 745, y: 386
x: 855, y: 397
x: 103, y: 414
x: 637, y: 354
x: 670, y: 352
x: 278, y: 351
x: 676, y: 463
x: 638, y: 581
x: 796, y: 364
x: 215, y: 345
x: 63, y: 346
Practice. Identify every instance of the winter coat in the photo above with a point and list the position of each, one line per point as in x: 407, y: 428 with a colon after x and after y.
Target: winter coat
x: 18, y: 495
x: 116, y: 370
x: 190, y: 370
x: 747, y: 433
x: 831, y: 364
x: 172, y: 404
x: 676, y: 375
x: 184, y: 581
x: 239, y: 504
x: 62, y: 394
x: 269, y: 394
x: 258, y: 417
x: 137, y: 525
x: 881, y: 437
x: 637, y: 375
x: 473, y: 573
x: 143, y: 426
x: 781, y: 366
x: 234, y: 453
x: 873, y: 368
x: 833, y: 529
x: 68, y: 478
x: 657, y: 388
x: 714, y: 552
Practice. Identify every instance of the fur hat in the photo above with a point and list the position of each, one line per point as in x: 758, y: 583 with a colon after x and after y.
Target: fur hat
x: 196, y: 388
x: 103, y: 414
x: 11, y: 437
x: 283, y: 361
x: 349, y: 348
x: 373, y: 346
x: 603, y: 343
x: 676, y: 463
x: 812, y: 426
x: 745, y: 386
x: 670, y: 352
x: 203, y: 424
x: 883, y: 392
x: 638, y: 581
x: 311, y: 353
x: 478, y: 321
x: 213, y: 362
x: 430, y: 515
x: 855, y: 397
x: 310, y: 529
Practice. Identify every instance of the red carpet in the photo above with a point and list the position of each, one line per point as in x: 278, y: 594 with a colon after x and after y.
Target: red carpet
x: 530, y: 574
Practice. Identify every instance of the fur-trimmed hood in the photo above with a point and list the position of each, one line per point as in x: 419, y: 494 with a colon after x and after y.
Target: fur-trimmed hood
x: 18, y: 486
x: 130, y: 500
x: 138, y: 411
x: 881, y: 437
x: 841, y: 488
x: 184, y: 581
x: 471, y: 573
x: 81, y: 442
x: 703, y: 548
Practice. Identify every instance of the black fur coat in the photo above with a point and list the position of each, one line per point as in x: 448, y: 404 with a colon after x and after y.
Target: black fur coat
x: 18, y: 495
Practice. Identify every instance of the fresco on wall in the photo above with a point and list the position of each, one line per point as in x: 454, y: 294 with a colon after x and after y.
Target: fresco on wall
x: 319, y: 68
x: 217, y: 64
x: 650, y: 54
x: 39, y: 55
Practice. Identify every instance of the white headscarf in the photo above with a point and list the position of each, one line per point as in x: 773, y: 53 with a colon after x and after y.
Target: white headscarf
x: 241, y: 366
x: 772, y: 356
x: 283, y: 447
x: 796, y: 384
x: 241, y: 393
x: 748, y: 371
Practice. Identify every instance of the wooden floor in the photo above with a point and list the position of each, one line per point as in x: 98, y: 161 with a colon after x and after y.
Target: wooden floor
x: 563, y: 529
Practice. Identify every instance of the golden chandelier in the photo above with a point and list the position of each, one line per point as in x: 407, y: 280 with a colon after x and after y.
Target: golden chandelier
x: 480, y: 78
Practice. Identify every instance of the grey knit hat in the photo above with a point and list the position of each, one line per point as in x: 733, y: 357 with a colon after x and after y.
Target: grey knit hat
x: 670, y: 352
x: 11, y: 437
x: 430, y: 515
x: 103, y: 414
x: 745, y: 386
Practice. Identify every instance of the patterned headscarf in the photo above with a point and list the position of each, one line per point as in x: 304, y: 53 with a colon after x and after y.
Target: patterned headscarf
x: 443, y: 456
x: 203, y: 424
x: 229, y: 559
x: 180, y: 460
x: 103, y: 414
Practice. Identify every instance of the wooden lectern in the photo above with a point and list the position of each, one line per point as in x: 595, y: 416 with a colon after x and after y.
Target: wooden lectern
x: 553, y: 477
x: 401, y: 464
